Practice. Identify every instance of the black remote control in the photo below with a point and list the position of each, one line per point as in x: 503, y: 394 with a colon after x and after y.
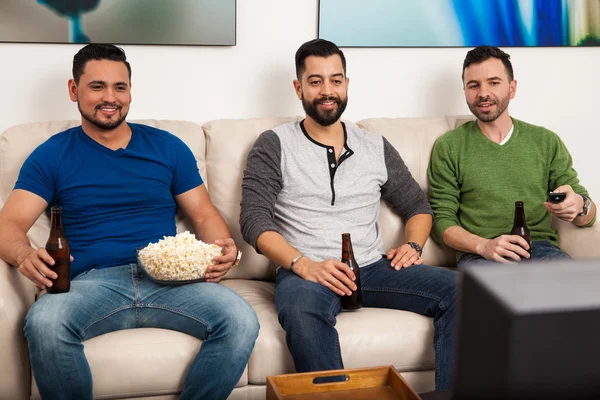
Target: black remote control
x: 556, y: 197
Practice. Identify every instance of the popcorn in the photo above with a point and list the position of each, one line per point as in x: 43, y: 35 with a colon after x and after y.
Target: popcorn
x: 178, y: 258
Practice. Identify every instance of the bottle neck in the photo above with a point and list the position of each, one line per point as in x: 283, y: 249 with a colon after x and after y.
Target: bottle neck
x: 519, y: 215
x: 56, y: 224
x: 347, y: 252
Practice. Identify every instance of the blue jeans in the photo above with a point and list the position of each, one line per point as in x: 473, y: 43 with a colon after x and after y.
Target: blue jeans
x: 123, y: 297
x: 307, y: 312
x: 541, y: 250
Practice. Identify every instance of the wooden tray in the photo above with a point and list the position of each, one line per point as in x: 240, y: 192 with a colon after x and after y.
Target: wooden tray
x: 380, y: 383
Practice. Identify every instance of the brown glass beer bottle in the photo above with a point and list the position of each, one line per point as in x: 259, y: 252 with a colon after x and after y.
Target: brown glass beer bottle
x: 520, y: 224
x: 354, y: 301
x: 58, y: 248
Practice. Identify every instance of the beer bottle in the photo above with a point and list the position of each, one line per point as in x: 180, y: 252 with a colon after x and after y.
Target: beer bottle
x: 520, y: 225
x: 354, y: 301
x: 58, y: 248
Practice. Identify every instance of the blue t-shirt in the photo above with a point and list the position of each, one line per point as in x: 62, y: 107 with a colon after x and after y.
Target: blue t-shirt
x: 113, y: 201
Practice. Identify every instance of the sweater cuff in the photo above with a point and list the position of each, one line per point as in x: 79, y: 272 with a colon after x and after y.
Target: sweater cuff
x: 439, y: 227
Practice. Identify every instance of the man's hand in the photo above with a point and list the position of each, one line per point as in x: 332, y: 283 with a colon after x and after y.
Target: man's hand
x: 333, y: 274
x: 504, y: 248
x: 35, y: 268
x: 223, y: 263
x: 568, y: 208
x: 404, y: 256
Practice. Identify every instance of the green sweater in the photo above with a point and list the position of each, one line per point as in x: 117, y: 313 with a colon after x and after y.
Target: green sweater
x: 474, y: 182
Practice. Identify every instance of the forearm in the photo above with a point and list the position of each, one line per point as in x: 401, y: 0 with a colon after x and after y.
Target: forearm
x: 460, y: 239
x: 211, y: 228
x: 276, y: 248
x: 14, y: 244
x: 418, y: 228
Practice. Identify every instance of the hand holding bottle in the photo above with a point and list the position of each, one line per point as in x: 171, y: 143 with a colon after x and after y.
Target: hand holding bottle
x: 333, y: 274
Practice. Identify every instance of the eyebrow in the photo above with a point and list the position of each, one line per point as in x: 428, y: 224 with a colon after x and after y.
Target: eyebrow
x: 104, y: 83
x: 339, y: 74
x: 493, y: 78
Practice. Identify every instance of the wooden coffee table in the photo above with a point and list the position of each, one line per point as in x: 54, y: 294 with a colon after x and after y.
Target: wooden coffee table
x: 380, y: 383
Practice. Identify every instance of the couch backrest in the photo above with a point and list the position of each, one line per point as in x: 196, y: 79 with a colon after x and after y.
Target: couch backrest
x: 228, y: 143
x: 17, y: 142
x: 221, y: 148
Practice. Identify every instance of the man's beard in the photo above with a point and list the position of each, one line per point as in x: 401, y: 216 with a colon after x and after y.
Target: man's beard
x: 489, y: 117
x: 105, y: 126
x: 328, y: 117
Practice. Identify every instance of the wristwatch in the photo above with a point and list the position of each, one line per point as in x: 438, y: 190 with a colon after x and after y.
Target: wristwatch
x: 587, y: 206
x: 417, y: 247
x: 238, y: 258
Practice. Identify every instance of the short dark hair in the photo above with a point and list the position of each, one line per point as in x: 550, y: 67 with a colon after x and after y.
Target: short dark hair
x: 97, y: 51
x: 319, y: 48
x: 481, y: 53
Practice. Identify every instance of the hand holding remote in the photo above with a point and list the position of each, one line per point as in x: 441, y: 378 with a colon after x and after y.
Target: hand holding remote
x: 556, y: 197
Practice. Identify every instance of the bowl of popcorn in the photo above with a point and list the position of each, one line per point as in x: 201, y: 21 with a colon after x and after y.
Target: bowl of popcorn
x: 179, y: 259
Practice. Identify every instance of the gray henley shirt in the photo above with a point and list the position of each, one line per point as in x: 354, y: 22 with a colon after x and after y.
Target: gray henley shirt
x: 293, y: 185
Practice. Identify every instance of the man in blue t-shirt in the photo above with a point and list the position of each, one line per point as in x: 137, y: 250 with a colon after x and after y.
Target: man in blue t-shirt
x: 120, y: 185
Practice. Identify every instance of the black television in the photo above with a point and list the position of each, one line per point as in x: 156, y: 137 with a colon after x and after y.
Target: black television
x: 528, y: 331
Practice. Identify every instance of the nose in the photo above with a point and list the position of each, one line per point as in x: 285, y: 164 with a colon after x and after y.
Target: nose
x: 484, y: 91
x: 109, y: 95
x: 326, y: 88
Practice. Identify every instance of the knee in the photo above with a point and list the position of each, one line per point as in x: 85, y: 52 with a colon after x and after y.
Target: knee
x: 242, y: 325
x: 449, y: 289
x: 42, y: 326
x: 303, y: 310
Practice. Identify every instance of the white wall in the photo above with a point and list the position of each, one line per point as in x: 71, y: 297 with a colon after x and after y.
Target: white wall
x: 557, y: 87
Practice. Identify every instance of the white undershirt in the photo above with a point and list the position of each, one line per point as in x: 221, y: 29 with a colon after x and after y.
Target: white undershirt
x: 508, y: 135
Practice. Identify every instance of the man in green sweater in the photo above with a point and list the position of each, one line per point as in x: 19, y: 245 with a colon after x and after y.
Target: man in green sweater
x: 478, y: 170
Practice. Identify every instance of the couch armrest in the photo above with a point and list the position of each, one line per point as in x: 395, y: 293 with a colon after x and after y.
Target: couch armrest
x: 578, y: 242
x: 17, y: 294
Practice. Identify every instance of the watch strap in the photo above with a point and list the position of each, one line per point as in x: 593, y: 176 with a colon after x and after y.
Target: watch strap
x: 587, y: 205
x: 417, y: 247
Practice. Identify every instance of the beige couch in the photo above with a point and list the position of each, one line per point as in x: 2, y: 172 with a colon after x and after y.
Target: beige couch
x: 151, y: 363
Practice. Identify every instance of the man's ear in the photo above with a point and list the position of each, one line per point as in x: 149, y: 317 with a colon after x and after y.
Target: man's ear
x: 298, y: 88
x: 72, y: 89
x: 512, y: 87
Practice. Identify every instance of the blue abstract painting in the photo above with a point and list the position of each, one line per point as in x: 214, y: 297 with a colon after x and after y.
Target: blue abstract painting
x: 456, y: 23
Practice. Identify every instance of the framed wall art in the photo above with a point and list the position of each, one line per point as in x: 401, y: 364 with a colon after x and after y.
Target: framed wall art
x: 457, y: 23
x: 167, y: 22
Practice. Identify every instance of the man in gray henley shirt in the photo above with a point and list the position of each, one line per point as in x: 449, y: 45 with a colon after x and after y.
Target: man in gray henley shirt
x: 307, y: 182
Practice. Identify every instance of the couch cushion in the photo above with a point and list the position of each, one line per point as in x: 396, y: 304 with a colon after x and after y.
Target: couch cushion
x: 228, y: 143
x: 140, y: 362
x: 17, y: 142
x: 368, y: 337
x: 414, y: 139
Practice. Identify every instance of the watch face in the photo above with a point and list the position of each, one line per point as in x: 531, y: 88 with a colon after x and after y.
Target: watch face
x: 587, y: 206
